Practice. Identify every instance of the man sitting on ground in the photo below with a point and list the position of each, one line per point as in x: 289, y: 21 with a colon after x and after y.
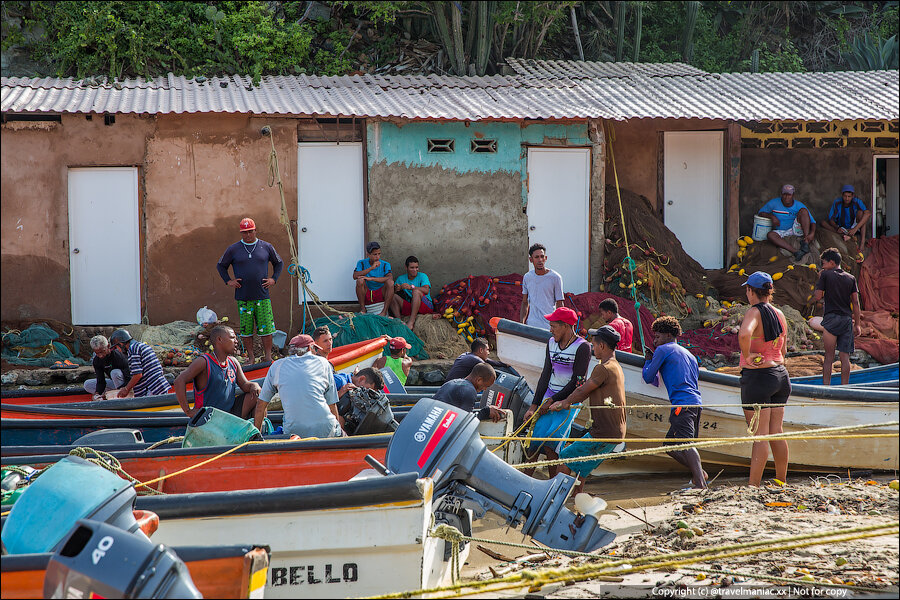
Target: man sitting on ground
x: 411, y: 293
x: 790, y: 218
x: 147, y: 377
x: 110, y: 368
x: 216, y: 377
x: 848, y: 216
x: 609, y: 312
x: 398, y: 361
x: 606, y: 389
x: 374, y: 282
x: 463, y: 393
x: 305, y: 385
x: 364, y: 378
x: 464, y: 363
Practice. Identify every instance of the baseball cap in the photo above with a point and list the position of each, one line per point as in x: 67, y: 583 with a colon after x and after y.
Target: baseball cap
x: 848, y: 188
x: 607, y: 334
x: 247, y: 224
x: 399, y: 343
x: 301, y: 341
x: 566, y: 315
x: 758, y: 280
x: 787, y: 189
x: 372, y: 246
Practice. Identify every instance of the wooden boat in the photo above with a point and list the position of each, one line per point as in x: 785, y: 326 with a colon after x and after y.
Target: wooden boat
x: 344, y: 359
x: 217, y: 571
x: 810, y: 407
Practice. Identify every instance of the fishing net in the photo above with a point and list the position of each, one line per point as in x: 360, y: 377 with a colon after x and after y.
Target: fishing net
x: 178, y: 334
x: 354, y: 327
x: 585, y: 306
x: 879, y: 278
x: 470, y: 303
x: 36, y: 346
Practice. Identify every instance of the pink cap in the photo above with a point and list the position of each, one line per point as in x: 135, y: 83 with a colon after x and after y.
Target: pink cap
x: 566, y: 315
x: 399, y: 343
x: 787, y: 189
x: 247, y: 224
x: 302, y: 341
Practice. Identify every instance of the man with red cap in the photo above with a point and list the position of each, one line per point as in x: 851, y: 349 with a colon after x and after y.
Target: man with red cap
x: 565, y: 367
x: 398, y: 361
x: 249, y: 260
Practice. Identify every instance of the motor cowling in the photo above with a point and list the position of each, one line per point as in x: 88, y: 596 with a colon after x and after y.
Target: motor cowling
x: 366, y: 411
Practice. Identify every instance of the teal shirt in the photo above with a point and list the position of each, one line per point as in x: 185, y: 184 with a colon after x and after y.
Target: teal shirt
x: 420, y: 280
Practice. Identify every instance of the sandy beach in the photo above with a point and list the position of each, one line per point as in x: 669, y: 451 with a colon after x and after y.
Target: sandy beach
x: 650, y: 519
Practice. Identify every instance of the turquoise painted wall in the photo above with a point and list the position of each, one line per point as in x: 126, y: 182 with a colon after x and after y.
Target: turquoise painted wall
x: 407, y: 145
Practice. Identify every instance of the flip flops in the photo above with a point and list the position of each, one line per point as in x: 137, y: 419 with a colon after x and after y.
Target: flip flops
x: 64, y: 364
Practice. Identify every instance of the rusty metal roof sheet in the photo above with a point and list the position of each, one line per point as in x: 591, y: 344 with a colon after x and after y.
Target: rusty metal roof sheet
x: 537, y: 90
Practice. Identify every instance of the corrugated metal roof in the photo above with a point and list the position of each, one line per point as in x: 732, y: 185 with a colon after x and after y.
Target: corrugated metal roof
x: 538, y: 90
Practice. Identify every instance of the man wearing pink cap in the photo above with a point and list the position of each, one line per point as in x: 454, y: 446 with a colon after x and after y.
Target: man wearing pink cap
x: 398, y: 361
x: 565, y: 367
x: 249, y: 260
x: 790, y: 218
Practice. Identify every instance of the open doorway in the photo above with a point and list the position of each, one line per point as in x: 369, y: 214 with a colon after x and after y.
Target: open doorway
x: 886, y: 196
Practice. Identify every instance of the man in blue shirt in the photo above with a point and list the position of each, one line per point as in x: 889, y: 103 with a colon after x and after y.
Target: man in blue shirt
x: 412, y: 293
x: 681, y: 375
x: 848, y: 216
x: 790, y: 218
x: 374, y: 281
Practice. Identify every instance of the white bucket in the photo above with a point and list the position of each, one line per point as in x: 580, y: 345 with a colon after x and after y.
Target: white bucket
x: 761, y: 227
x: 375, y: 309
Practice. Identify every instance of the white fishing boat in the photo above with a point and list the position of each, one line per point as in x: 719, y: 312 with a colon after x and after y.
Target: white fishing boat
x: 810, y: 407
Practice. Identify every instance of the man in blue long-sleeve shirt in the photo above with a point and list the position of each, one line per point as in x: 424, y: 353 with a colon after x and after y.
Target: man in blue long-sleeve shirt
x: 680, y: 373
x: 249, y: 260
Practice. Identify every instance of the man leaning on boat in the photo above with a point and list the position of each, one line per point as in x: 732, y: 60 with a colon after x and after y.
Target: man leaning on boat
x: 305, y: 384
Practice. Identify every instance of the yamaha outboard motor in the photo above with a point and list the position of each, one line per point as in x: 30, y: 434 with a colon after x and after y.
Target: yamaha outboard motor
x: 366, y: 411
x: 97, y: 560
x: 440, y: 441
x: 509, y: 392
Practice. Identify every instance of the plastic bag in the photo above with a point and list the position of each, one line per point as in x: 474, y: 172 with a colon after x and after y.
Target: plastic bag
x: 206, y: 316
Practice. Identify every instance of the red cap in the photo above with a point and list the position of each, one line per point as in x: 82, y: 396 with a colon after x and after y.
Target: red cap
x: 247, y: 224
x: 302, y: 340
x: 566, y: 315
x: 399, y: 343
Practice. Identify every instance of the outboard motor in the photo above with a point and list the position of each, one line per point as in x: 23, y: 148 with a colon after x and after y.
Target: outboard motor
x: 366, y: 411
x: 97, y: 560
x: 510, y: 392
x: 440, y: 441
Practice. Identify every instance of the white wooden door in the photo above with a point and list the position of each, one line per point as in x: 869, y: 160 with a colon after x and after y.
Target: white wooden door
x: 891, y: 205
x: 330, y: 227
x: 694, y: 193
x: 104, y: 246
x: 559, y: 211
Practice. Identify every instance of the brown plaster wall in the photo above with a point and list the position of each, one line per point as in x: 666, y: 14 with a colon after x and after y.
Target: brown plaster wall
x: 456, y: 224
x: 816, y: 173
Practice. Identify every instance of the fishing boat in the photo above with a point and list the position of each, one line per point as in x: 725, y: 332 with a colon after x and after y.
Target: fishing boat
x: 218, y: 571
x: 810, y: 407
x: 344, y: 359
x: 880, y: 376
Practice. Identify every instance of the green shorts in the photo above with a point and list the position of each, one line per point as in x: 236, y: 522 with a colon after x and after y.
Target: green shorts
x: 256, y: 312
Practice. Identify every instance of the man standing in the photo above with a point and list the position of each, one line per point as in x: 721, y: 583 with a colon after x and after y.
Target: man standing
x: 374, y: 281
x: 464, y: 363
x: 216, y: 377
x: 147, y: 377
x: 848, y: 216
x: 411, y: 293
x: 681, y: 374
x: 542, y: 289
x: 609, y: 312
x: 463, y: 393
x: 306, y: 386
x: 841, y: 301
x: 790, y: 218
x: 606, y: 389
x: 110, y: 368
x: 249, y: 260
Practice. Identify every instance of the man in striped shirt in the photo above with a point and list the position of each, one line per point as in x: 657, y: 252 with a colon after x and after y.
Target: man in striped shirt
x: 147, y: 378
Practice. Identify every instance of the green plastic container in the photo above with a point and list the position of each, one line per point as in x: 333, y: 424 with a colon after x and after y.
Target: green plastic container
x: 214, y: 427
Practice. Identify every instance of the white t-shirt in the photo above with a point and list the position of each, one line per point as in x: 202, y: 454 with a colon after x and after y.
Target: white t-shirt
x: 543, y: 292
x: 306, y: 387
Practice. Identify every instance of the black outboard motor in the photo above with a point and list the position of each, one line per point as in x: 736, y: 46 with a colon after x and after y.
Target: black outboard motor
x: 97, y: 560
x: 440, y: 441
x: 510, y: 392
x: 366, y: 411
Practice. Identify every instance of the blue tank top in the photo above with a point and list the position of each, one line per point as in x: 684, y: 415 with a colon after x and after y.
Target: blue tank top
x: 221, y: 384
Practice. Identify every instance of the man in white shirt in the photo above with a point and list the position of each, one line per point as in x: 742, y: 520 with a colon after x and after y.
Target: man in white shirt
x: 542, y: 289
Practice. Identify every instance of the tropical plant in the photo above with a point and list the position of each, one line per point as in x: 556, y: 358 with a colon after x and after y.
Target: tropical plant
x: 869, y: 53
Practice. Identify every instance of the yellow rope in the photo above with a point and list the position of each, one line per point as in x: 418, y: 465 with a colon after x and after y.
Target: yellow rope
x: 192, y: 467
x: 846, y: 404
x: 174, y: 438
x: 851, y: 436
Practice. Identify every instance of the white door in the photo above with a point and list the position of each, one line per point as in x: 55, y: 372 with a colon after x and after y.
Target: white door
x: 330, y: 228
x: 104, y: 240
x: 891, y: 204
x: 694, y: 193
x: 559, y: 211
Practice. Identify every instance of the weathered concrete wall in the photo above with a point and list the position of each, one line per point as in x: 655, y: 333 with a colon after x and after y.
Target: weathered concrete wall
x: 200, y: 174
x: 460, y: 213
x: 816, y: 173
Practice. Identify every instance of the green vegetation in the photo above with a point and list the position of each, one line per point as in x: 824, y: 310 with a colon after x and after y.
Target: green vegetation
x: 119, y: 39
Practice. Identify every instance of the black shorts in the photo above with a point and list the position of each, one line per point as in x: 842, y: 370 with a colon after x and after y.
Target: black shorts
x: 684, y: 422
x: 841, y: 327
x: 771, y: 385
